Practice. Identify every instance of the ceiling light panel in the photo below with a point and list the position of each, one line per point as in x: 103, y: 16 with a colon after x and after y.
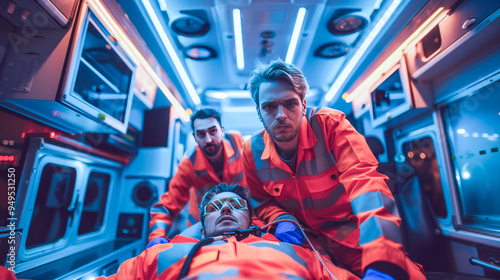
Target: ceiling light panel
x: 297, y: 28
x: 265, y: 20
x: 238, y: 39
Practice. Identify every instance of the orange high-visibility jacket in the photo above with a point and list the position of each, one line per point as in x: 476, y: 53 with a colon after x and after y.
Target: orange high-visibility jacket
x: 335, y: 189
x: 196, y: 172
x: 251, y: 258
x: 6, y: 274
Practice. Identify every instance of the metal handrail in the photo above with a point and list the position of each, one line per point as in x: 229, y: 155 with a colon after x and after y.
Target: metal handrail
x: 478, y: 262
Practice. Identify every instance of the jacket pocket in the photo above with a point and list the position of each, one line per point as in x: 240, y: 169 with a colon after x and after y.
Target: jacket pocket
x: 361, y: 149
x: 325, y: 181
x: 274, y: 189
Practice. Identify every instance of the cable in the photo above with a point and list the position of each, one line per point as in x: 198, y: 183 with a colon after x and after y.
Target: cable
x: 240, y: 234
x: 303, y: 233
x: 327, y: 260
x: 187, y: 263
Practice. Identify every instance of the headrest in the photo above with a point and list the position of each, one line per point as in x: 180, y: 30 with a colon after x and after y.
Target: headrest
x: 193, y: 231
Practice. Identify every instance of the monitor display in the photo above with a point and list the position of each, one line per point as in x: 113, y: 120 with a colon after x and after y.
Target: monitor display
x: 390, y: 95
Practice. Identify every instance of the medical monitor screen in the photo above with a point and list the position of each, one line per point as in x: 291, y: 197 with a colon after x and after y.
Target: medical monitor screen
x: 391, y: 95
x: 388, y: 95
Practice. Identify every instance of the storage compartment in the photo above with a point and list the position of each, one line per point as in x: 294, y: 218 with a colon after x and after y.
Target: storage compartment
x: 79, y: 77
x: 462, y: 36
x: 65, y: 206
x: 39, y: 13
x: 102, y: 80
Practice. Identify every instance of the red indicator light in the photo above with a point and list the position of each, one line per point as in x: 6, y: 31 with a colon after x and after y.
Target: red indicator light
x: 11, y: 7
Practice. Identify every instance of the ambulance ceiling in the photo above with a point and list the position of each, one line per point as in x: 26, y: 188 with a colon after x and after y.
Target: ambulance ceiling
x: 204, y: 37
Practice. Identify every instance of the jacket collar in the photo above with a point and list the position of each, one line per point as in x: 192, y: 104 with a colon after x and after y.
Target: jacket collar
x: 201, y: 162
x: 307, y: 140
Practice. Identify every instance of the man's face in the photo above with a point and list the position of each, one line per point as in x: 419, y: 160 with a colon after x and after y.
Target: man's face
x: 208, y: 134
x: 280, y: 110
x: 225, y: 220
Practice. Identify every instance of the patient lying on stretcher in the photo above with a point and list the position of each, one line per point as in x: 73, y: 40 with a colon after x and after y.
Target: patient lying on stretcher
x: 241, y: 255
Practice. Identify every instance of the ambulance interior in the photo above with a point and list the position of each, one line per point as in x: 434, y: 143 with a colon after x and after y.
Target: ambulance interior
x: 95, y: 98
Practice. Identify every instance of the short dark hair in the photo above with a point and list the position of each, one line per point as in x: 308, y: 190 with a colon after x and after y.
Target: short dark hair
x: 223, y: 187
x: 278, y: 70
x: 205, y: 113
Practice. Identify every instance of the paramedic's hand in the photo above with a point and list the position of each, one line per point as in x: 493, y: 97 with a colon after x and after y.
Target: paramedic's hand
x: 288, y: 232
x: 157, y: 240
x: 372, y: 274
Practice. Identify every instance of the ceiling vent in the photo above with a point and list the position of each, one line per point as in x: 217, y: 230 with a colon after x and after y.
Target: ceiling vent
x: 199, y: 52
x: 332, y: 50
x: 193, y: 24
x: 344, y: 22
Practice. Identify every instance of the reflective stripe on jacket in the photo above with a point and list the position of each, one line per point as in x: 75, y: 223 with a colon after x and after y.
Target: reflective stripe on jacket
x: 335, y: 189
x: 196, y: 173
x: 252, y: 258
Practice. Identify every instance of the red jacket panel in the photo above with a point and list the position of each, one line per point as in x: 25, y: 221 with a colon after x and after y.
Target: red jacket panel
x: 252, y: 258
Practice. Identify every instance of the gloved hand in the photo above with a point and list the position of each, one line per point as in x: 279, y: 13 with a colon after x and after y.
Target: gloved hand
x: 157, y: 240
x: 289, y: 232
x: 372, y: 274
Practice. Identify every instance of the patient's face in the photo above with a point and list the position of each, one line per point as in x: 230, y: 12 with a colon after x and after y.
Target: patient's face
x: 225, y: 220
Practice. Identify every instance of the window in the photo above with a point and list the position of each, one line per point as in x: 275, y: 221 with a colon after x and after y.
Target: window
x: 94, y: 204
x: 421, y: 155
x: 53, y: 206
x: 473, y: 128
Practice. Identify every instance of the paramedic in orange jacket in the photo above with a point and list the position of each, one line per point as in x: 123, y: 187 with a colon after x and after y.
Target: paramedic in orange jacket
x: 253, y: 257
x: 312, y: 164
x: 216, y: 159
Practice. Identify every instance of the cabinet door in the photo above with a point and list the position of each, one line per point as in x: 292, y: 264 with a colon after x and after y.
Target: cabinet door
x: 53, y: 211
x: 94, y: 203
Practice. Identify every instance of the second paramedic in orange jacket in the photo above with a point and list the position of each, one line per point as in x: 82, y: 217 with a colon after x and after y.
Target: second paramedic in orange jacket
x: 216, y: 159
x: 253, y: 257
x: 312, y: 164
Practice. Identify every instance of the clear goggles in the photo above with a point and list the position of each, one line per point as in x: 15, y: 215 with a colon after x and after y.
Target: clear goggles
x: 235, y: 203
